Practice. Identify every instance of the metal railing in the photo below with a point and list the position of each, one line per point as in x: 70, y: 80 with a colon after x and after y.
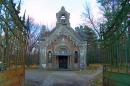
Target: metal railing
x: 63, y: 53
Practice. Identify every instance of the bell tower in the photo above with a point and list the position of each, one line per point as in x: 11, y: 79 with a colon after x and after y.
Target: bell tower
x: 63, y: 17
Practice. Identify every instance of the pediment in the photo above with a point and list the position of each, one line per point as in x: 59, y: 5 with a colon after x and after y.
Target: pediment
x: 67, y: 31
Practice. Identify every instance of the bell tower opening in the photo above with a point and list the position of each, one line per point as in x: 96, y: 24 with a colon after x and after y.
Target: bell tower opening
x: 63, y: 19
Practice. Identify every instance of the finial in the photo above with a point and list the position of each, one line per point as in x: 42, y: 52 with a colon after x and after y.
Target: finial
x: 62, y: 8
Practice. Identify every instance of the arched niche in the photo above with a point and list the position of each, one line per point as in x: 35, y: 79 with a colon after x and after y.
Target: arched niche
x: 76, y: 55
x: 49, y: 56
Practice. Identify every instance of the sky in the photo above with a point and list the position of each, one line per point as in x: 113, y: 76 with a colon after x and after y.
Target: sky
x: 44, y: 11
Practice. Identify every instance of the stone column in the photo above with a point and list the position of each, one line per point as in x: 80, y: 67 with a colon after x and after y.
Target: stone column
x: 83, y: 50
x: 57, y: 62
x: 69, y: 62
x: 42, y: 57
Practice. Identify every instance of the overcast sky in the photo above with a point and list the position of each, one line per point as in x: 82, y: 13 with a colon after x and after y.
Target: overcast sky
x: 44, y: 11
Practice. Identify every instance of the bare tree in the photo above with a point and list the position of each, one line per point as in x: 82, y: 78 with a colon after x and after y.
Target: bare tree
x: 90, y: 19
x: 33, y: 36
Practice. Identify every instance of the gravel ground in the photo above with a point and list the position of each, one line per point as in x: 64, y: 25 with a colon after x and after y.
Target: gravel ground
x: 37, y: 77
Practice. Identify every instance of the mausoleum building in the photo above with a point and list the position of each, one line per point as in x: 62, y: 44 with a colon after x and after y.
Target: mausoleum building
x: 63, y: 48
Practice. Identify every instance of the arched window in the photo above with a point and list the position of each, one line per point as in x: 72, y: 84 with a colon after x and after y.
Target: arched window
x: 76, y: 57
x: 49, y: 57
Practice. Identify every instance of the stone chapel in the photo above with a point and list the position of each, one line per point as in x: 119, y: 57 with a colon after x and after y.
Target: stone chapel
x: 63, y: 48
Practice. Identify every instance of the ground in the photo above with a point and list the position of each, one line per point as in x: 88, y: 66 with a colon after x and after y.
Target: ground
x: 37, y: 77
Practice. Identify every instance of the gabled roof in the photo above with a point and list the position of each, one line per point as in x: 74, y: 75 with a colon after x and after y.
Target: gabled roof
x: 62, y: 30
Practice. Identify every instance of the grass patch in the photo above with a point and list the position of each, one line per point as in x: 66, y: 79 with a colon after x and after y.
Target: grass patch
x: 118, y: 77
x: 94, y: 66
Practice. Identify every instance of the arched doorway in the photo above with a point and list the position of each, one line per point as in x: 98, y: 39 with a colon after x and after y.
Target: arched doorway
x: 63, y: 62
x: 63, y: 54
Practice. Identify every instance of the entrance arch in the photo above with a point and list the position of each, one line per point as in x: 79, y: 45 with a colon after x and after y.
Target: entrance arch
x: 62, y: 53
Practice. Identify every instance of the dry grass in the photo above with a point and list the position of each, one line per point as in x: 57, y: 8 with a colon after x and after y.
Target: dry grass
x: 98, y: 81
x: 94, y: 66
x: 84, y: 72
x: 91, y: 69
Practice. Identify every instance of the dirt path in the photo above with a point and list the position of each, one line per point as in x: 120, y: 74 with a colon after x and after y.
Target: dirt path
x: 59, y: 78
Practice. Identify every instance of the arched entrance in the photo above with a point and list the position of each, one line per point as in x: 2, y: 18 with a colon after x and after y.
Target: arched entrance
x: 63, y: 56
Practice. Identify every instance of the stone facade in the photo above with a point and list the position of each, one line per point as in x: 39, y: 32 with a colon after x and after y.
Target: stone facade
x: 63, y: 48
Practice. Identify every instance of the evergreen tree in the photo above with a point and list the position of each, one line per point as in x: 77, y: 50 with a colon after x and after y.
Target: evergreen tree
x: 114, y: 31
x: 90, y: 36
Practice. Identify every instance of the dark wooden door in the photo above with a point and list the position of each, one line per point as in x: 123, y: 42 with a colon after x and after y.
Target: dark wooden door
x: 63, y: 61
